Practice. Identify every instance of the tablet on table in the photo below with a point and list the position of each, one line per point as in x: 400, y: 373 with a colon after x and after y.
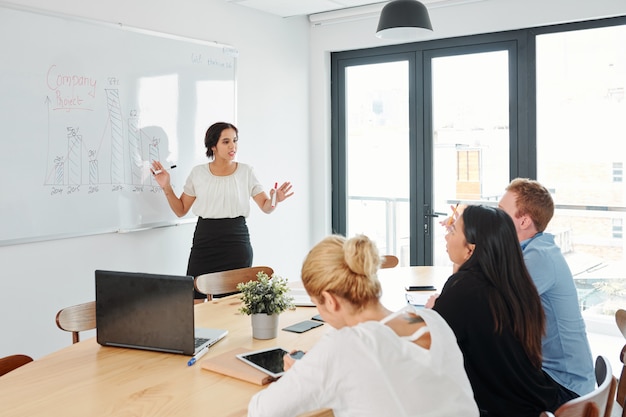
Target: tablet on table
x: 268, y: 360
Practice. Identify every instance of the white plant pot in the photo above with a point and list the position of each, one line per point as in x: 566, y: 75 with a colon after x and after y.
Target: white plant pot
x: 264, y: 326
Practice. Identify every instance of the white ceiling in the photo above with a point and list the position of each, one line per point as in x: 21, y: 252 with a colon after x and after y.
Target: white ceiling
x: 287, y: 8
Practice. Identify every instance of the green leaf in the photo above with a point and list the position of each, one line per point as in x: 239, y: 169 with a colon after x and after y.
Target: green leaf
x: 268, y: 295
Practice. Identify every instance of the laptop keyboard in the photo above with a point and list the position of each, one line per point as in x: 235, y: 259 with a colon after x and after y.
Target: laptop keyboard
x: 200, y: 341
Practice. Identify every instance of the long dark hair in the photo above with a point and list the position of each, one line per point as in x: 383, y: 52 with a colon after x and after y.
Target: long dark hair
x: 513, y: 297
x: 213, y: 134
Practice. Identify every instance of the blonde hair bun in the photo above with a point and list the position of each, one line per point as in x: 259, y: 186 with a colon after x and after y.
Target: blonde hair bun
x: 344, y: 267
x: 361, y: 255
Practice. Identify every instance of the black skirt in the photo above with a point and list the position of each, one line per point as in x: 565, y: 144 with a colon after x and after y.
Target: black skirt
x: 219, y: 245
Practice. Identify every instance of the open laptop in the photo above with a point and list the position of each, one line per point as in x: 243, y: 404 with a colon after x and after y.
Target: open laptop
x: 149, y: 311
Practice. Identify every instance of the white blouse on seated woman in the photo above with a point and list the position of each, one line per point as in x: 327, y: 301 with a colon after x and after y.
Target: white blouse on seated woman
x: 367, y: 370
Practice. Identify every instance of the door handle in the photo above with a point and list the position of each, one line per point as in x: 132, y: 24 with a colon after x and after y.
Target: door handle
x: 435, y: 214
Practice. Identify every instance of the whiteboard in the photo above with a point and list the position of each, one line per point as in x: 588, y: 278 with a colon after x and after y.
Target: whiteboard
x: 84, y: 107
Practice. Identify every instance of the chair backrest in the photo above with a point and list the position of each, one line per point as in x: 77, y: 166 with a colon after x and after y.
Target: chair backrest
x: 77, y: 318
x: 620, y: 319
x: 589, y: 410
x: 604, y: 375
x: 389, y: 261
x: 225, y: 282
x: 599, y: 402
x: 11, y: 362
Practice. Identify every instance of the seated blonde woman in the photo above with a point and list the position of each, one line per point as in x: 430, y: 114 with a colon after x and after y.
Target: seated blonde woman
x: 374, y: 362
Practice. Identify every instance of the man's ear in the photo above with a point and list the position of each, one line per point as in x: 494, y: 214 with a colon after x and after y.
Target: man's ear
x: 525, y: 223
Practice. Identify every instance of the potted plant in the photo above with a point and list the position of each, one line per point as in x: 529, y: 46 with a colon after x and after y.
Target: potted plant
x: 264, y: 299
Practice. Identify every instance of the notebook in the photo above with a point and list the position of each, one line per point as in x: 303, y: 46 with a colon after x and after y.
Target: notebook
x: 419, y: 298
x: 229, y: 364
x: 301, y: 298
x: 149, y: 311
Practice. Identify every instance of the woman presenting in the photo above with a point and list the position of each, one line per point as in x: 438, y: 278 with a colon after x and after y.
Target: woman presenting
x: 220, y: 194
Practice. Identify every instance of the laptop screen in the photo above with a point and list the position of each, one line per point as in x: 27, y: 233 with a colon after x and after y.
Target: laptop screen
x: 145, y: 311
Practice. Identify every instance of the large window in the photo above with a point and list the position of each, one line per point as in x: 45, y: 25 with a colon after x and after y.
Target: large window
x: 581, y: 149
x: 420, y: 127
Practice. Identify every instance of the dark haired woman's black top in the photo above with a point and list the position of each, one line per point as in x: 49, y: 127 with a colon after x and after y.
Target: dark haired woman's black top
x: 504, y: 380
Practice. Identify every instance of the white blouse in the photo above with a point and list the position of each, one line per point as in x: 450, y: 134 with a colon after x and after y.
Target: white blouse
x: 367, y: 370
x: 220, y: 197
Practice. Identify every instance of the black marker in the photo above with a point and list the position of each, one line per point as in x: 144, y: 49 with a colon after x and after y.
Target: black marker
x: 158, y: 171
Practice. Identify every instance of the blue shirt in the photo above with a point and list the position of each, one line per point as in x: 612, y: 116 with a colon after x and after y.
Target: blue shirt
x: 566, y: 352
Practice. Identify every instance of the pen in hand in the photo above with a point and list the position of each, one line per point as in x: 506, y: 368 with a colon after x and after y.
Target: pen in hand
x: 274, y: 195
x: 158, y: 171
x: 451, y: 219
x: 198, y: 356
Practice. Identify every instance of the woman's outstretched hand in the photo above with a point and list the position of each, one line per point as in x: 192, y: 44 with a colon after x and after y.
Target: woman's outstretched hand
x: 283, y: 192
x: 161, y: 175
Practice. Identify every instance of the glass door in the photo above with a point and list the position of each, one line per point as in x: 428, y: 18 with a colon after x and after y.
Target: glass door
x: 470, y: 134
x: 377, y: 155
x: 414, y: 134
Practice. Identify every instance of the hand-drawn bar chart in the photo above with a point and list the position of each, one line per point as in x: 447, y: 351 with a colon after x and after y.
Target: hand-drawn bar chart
x: 86, y: 107
x: 76, y: 159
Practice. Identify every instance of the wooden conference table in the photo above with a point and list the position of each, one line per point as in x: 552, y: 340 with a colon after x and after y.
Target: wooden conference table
x: 86, y: 379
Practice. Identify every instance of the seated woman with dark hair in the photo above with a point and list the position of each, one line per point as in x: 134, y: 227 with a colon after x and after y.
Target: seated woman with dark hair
x: 494, y: 309
x: 376, y: 362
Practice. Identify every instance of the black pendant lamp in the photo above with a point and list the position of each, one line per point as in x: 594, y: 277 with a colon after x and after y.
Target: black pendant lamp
x: 403, y: 20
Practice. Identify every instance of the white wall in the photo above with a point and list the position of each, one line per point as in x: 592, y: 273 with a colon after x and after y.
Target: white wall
x: 38, y: 279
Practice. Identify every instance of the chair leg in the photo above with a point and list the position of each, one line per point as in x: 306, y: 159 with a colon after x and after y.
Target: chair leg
x: 201, y: 300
